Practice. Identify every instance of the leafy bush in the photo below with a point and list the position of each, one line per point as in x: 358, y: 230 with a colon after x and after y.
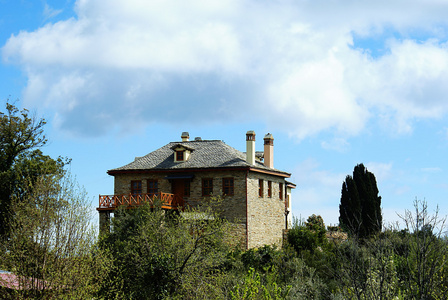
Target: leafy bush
x: 260, y: 258
x: 308, y: 236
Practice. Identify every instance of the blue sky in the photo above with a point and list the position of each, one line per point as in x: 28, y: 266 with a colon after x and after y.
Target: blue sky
x: 337, y: 83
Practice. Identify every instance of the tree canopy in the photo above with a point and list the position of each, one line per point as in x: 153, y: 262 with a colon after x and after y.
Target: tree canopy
x: 360, y: 208
x: 21, y: 160
x: 51, y: 243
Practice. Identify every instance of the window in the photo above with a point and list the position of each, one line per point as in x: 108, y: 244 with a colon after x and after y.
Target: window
x: 227, y: 186
x: 207, y: 186
x: 269, y: 188
x: 280, y: 191
x: 187, y: 188
x: 179, y: 155
x: 136, y: 187
x: 260, y: 187
x: 153, y: 187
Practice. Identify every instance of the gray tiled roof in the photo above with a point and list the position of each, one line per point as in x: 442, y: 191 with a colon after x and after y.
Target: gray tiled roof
x: 205, y: 154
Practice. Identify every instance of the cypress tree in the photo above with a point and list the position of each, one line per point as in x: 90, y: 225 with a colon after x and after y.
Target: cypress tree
x: 360, y: 208
x: 350, y: 207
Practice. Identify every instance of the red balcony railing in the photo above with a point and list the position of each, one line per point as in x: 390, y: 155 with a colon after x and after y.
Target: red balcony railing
x: 168, y: 201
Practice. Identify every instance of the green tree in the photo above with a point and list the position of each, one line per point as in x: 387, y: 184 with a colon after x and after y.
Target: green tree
x: 159, y: 253
x: 360, y: 208
x: 397, y: 264
x: 315, y: 223
x: 366, y: 270
x: 51, y: 243
x: 21, y: 162
x: 308, y: 236
x: 423, y: 263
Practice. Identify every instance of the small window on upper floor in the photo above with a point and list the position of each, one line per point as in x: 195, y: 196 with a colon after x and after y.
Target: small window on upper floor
x: 280, y: 191
x: 260, y: 188
x: 180, y: 155
x: 269, y: 189
x: 182, y: 152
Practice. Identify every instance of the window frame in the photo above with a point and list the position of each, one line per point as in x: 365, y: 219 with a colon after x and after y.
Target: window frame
x: 136, y: 191
x: 228, y: 186
x: 151, y: 189
x: 180, y: 155
x: 280, y: 190
x: 260, y: 188
x: 207, y: 187
x: 269, y: 189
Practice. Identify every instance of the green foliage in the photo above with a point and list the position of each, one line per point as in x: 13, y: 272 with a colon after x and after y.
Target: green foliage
x: 308, y: 236
x: 360, y: 208
x: 367, y: 270
x: 250, y: 288
x: 253, y: 287
x: 160, y: 253
x: 315, y: 223
x: 19, y: 132
x: 387, y: 265
x: 260, y: 258
x: 424, y: 272
x: 397, y: 264
x: 51, y: 245
x: 21, y: 163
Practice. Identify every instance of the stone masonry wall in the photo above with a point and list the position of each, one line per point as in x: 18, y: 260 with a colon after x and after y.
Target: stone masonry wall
x: 122, y: 182
x: 265, y: 215
x: 233, y: 208
x: 266, y: 218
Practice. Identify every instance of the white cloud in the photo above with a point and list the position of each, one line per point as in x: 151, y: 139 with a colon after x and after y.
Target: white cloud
x: 290, y: 64
x: 50, y: 12
x: 337, y: 144
x: 432, y: 170
x: 382, y: 171
x: 407, y: 83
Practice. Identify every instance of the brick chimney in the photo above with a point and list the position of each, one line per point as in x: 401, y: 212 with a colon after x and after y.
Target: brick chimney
x: 250, y: 147
x: 269, y: 150
x: 185, y: 136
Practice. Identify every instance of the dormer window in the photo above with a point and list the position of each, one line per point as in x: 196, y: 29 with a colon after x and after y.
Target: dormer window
x: 180, y: 155
x: 181, y: 152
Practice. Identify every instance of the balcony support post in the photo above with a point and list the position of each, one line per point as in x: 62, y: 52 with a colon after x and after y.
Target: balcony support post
x: 104, y: 222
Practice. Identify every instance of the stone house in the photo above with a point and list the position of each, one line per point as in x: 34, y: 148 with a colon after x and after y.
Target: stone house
x: 256, y: 196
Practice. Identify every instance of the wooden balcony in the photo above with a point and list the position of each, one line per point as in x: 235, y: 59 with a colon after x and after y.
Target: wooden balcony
x: 111, y: 202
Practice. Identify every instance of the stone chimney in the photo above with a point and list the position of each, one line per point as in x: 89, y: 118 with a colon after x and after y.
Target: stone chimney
x: 250, y: 147
x: 269, y: 150
x: 185, y: 136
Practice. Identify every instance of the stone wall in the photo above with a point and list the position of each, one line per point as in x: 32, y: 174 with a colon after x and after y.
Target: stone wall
x: 237, y: 236
x: 233, y: 208
x: 122, y: 183
x: 266, y: 218
x: 259, y: 223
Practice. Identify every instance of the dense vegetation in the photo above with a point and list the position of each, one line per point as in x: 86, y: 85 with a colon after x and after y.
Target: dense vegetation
x: 49, y: 243
x: 159, y: 256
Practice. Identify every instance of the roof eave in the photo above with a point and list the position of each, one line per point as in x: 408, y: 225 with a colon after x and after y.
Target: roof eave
x: 136, y: 171
x: 258, y: 170
x: 271, y: 172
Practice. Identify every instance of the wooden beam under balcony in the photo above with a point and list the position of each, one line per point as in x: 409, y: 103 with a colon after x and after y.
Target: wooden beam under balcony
x: 111, y: 202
